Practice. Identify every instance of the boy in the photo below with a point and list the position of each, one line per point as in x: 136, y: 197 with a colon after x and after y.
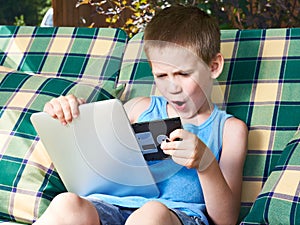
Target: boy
x: 183, y: 48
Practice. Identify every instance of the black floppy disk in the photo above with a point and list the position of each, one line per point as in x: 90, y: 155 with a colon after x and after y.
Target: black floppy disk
x: 151, y: 134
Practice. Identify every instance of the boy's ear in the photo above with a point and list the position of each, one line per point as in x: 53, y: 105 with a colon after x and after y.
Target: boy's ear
x: 216, y: 66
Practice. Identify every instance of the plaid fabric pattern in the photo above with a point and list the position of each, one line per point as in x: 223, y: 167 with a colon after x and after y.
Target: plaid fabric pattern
x: 260, y: 84
x: 135, y: 71
x: 57, y: 61
x: 278, y: 202
x: 90, y: 54
x: 28, y: 180
x: 9, y: 222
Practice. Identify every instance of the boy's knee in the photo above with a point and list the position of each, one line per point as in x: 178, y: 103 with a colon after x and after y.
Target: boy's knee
x: 67, y: 199
x: 68, y: 204
x: 155, y: 208
x: 72, y: 209
x: 155, y: 205
x: 152, y: 212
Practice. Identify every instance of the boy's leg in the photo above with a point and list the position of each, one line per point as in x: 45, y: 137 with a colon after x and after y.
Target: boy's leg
x: 153, y: 213
x: 69, y: 209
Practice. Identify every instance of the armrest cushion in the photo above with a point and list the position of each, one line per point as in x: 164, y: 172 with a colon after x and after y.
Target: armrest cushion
x: 279, y: 202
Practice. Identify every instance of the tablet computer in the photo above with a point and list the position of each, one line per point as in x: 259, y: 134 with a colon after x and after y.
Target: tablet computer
x: 98, y: 152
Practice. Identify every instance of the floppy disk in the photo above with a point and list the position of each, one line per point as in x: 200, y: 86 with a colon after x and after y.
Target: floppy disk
x: 151, y: 134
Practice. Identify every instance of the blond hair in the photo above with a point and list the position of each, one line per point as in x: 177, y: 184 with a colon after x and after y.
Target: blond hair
x: 187, y: 26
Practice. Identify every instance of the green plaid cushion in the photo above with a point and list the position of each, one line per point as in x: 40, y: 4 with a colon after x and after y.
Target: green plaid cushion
x: 279, y: 202
x: 9, y: 222
x: 135, y: 71
x: 28, y: 180
x: 260, y: 84
x: 90, y: 54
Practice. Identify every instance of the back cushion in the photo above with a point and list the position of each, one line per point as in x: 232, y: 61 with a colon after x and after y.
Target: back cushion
x: 89, y: 54
x: 260, y: 84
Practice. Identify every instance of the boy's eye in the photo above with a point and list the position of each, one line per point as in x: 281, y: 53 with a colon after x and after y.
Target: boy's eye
x: 160, y: 75
x: 183, y: 73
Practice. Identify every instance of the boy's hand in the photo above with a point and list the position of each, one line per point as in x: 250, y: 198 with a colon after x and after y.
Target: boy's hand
x: 64, y: 108
x: 190, y: 151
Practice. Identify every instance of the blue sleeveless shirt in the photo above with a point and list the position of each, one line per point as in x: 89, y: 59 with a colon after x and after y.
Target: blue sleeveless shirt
x: 179, y: 186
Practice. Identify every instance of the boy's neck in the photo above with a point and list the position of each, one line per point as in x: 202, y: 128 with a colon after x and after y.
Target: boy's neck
x: 198, y: 119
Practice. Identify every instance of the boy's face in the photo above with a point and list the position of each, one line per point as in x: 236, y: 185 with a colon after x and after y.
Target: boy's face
x: 182, y: 78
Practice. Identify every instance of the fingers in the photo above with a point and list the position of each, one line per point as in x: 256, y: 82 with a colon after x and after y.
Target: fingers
x: 178, y: 134
x: 180, y: 154
x: 81, y: 101
x: 71, y: 105
x: 178, y: 140
x: 64, y: 108
x: 49, y: 109
x: 179, y: 149
x: 187, y: 152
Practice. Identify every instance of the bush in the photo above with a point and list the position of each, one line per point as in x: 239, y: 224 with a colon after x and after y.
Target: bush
x: 133, y: 15
x: 21, y: 12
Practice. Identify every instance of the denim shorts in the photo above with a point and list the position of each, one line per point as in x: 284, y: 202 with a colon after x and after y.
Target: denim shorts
x: 115, y: 215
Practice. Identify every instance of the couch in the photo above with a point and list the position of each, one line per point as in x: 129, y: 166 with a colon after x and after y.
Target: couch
x: 260, y: 84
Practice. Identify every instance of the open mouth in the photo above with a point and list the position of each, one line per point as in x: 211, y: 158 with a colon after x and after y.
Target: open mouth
x: 178, y: 103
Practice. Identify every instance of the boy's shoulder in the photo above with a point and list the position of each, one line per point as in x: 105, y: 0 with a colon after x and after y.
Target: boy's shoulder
x: 235, y: 144
x: 234, y: 123
x: 136, y: 106
x: 235, y: 128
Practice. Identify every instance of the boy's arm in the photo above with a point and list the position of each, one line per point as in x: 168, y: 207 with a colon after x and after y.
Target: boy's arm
x: 222, y: 183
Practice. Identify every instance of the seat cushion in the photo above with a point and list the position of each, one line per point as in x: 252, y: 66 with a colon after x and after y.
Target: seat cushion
x: 28, y: 179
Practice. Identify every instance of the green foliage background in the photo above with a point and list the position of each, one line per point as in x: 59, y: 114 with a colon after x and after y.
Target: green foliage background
x: 246, y: 14
x: 23, y: 12
x: 133, y: 15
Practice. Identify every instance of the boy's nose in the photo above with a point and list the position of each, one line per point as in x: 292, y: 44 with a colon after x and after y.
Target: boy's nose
x: 174, y: 87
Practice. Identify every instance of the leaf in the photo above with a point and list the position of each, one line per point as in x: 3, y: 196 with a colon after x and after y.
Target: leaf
x: 108, y: 19
x: 115, y: 18
x: 129, y: 21
x: 91, y: 25
x: 81, y: 2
